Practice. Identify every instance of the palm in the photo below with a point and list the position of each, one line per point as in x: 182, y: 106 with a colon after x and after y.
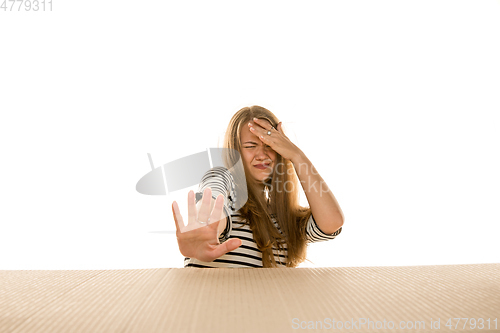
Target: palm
x: 198, y: 239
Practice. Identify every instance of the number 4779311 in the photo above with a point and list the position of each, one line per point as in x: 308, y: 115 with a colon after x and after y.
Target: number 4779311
x: 26, y: 5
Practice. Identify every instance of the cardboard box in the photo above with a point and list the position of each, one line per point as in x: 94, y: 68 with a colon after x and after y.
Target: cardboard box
x: 361, y: 299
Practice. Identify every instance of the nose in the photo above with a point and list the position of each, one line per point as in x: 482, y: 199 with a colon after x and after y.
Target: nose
x: 261, y: 154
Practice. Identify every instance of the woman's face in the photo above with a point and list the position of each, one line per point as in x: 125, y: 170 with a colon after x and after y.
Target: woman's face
x: 257, y: 156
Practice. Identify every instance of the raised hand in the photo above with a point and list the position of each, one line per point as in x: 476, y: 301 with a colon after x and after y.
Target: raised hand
x: 199, y: 239
x: 274, y: 138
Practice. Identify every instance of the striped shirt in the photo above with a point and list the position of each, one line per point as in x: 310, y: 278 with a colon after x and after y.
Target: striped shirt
x: 247, y: 255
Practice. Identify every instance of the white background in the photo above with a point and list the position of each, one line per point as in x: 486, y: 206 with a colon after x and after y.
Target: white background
x: 396, y: 103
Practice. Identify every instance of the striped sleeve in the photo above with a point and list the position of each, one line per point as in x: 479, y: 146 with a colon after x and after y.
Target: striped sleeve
x: 314, y: 233
x: 220, y: 181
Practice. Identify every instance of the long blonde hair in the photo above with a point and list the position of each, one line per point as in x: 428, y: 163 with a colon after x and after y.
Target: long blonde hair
x: 283, y: 201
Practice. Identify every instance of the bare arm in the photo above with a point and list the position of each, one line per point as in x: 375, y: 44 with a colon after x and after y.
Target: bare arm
x: 325, y: 208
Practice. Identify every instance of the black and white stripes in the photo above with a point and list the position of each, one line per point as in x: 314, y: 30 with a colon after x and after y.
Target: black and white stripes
x: 248, y: 255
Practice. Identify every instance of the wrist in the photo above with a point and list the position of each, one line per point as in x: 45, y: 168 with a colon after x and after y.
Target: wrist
x: 298, y: 158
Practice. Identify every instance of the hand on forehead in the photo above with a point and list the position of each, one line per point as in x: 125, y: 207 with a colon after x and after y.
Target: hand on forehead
x: 260, y: 123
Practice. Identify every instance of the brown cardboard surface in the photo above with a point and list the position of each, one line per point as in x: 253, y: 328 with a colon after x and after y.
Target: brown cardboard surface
x: 251, y: 300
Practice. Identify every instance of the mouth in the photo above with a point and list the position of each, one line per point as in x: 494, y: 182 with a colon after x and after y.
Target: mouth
x: 262, y: 166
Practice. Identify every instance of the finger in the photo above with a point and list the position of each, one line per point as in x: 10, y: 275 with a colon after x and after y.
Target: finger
x: 217, y: 211
x: 206, y: 202
x: 280, y: 129
x: 256, y: 131
x: 261, y: 123
x: 254, y: 124
x: 177, y: 217
x: 228, y: 246
x: 264, y: 124
x: 266, y: 139
x: 191, y: 208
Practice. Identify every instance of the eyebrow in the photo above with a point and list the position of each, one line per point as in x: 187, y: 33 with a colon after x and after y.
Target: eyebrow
x: 250, y: 142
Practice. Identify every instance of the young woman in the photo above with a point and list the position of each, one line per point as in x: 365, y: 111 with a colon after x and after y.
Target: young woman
x: 271, y: 229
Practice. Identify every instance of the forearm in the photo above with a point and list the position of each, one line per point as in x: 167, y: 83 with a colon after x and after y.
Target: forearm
x: 325, y: 208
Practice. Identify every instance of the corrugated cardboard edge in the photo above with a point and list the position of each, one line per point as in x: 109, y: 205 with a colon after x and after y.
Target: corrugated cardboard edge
x: 251, y: 300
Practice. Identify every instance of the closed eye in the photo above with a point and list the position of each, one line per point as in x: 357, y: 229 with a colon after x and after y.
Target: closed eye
x: 255, y: 146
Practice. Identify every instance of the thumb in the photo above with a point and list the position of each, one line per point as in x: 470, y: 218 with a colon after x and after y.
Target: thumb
x: 227, y: 246
x: 233, y: 244
x: 280, y: 129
